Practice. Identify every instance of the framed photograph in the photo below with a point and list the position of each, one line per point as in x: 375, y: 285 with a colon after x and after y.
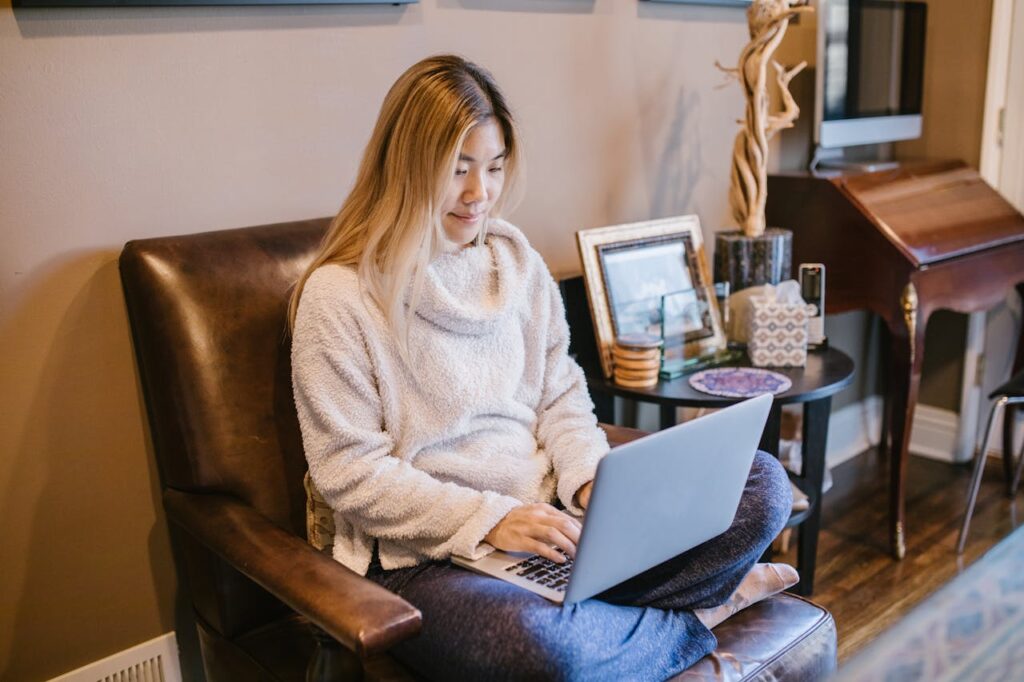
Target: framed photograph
x: 651, y: 278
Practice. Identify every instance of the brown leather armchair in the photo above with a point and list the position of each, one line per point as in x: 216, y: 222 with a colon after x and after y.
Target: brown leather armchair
x: 207, y: 314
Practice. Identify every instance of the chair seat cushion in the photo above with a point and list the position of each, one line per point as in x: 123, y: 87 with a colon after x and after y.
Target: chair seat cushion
x: 784, y: 637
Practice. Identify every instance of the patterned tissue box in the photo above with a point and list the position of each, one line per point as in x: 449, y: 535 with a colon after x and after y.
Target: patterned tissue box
x: 777, y: 333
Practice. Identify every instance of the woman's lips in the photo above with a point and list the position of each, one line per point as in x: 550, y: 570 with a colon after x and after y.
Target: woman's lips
x: 466, y: 219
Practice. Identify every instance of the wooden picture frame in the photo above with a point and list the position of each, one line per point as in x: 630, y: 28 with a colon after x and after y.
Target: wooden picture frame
x: 629, y: 268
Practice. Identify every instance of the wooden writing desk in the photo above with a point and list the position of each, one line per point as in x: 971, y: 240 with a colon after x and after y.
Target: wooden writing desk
x: 903, y: 244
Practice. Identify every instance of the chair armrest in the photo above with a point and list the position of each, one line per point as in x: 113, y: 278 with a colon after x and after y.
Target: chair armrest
x: 620, y: 435
x: 365, y: 617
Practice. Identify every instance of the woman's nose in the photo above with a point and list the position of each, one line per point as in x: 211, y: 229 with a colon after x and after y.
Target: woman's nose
x: 474, y: 190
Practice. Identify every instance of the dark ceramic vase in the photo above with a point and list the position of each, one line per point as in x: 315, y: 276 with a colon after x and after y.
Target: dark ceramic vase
x: 744, y: 261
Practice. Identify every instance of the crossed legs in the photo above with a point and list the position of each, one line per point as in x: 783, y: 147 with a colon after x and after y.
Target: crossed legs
x: 475, y: 626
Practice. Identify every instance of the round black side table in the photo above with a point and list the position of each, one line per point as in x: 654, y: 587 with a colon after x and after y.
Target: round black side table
x: 827, y: 372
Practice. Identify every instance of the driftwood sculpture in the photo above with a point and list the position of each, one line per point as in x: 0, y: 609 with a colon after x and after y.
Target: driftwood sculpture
x: 768, y: 20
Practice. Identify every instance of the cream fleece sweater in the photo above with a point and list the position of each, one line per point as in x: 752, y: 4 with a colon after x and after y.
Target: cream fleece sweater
x: 494, y: 413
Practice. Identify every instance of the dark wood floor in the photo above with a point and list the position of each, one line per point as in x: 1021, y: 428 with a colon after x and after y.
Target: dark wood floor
x: 856, y: 579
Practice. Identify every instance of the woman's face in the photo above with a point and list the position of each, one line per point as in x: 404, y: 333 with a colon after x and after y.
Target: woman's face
x: 477, y: 183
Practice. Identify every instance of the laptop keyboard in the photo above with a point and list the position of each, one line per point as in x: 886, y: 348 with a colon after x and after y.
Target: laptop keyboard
x: 543, y: 571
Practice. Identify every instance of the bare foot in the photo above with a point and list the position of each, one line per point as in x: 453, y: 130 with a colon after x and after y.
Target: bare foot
x: 763, y: 581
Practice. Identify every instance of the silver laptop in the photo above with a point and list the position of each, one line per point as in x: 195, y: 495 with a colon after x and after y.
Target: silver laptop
x: 653, y: 498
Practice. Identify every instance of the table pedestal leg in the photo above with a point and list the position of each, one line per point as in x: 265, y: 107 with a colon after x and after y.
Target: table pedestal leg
x: 770, y: 444
x: 667, y: 416
x: 815, y: 437
x: 772, y: 431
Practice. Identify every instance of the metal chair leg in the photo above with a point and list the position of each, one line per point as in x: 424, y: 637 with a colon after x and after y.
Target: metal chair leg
x: 1007, y: 446
x: 1016, y: 475
x: 979, y: 467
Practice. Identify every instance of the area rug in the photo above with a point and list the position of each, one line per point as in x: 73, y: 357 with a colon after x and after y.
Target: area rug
x: 971, y: 629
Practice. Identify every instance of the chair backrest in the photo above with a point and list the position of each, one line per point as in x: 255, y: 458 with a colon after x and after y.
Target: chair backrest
x: 208, y: 323
x: 208, y: 320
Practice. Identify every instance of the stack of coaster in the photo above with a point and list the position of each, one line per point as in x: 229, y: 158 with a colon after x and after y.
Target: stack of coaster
x: 636, y: 359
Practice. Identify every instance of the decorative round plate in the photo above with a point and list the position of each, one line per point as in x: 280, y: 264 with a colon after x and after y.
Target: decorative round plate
x: 739, y: 382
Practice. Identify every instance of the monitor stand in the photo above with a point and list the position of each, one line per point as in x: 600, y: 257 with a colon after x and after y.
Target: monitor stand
x: 835, y: 159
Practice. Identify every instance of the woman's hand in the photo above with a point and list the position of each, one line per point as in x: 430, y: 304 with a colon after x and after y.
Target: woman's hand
x: 583, y: 494
x: 538, y: 528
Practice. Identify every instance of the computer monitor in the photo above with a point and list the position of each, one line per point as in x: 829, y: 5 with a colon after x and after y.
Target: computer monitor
x: 870, y: 73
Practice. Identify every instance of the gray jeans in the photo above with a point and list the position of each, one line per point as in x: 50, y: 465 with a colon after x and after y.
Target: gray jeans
x: 478, y: 627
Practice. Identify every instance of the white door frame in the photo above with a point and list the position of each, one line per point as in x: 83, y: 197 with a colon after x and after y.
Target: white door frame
x: 992, y: 335
x: 995, y: 88
x: 1011, y: 167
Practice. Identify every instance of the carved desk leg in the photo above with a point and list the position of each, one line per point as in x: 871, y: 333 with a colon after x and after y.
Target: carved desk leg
x: 905, y: 380
x: 331, y: 661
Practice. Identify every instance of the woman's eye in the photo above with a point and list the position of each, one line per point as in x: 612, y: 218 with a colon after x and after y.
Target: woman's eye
x: 497, y: 169
x: 461, y: 171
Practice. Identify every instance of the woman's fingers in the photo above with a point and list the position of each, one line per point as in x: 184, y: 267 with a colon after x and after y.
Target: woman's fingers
x: 567, y: 526
x: 538, y: 528
x: 556, y: 529
x: 546, y: 551
x: 554, y: 537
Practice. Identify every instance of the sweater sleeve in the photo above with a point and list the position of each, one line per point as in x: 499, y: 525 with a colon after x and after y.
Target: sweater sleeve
x: 567, y: 428
x: 350, y: 452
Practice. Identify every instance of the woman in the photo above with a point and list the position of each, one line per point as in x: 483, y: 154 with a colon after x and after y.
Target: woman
x: 441, y: 414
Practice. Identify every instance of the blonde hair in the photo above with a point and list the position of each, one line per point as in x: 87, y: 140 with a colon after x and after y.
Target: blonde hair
x: 389, y: 226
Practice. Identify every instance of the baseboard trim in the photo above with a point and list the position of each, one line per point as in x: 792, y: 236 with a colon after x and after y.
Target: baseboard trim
x: 934, y: 433
x: 858, y: 426
x: 152, y: 661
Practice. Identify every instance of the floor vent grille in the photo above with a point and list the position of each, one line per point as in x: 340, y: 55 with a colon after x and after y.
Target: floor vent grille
x: 152, y: 661
x: 150, y: 670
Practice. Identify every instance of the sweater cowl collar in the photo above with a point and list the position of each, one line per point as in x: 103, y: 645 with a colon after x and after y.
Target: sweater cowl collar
x: 469, y: 291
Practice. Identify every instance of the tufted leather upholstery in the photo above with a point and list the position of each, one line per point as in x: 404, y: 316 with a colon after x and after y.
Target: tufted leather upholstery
x: 207, y: 314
